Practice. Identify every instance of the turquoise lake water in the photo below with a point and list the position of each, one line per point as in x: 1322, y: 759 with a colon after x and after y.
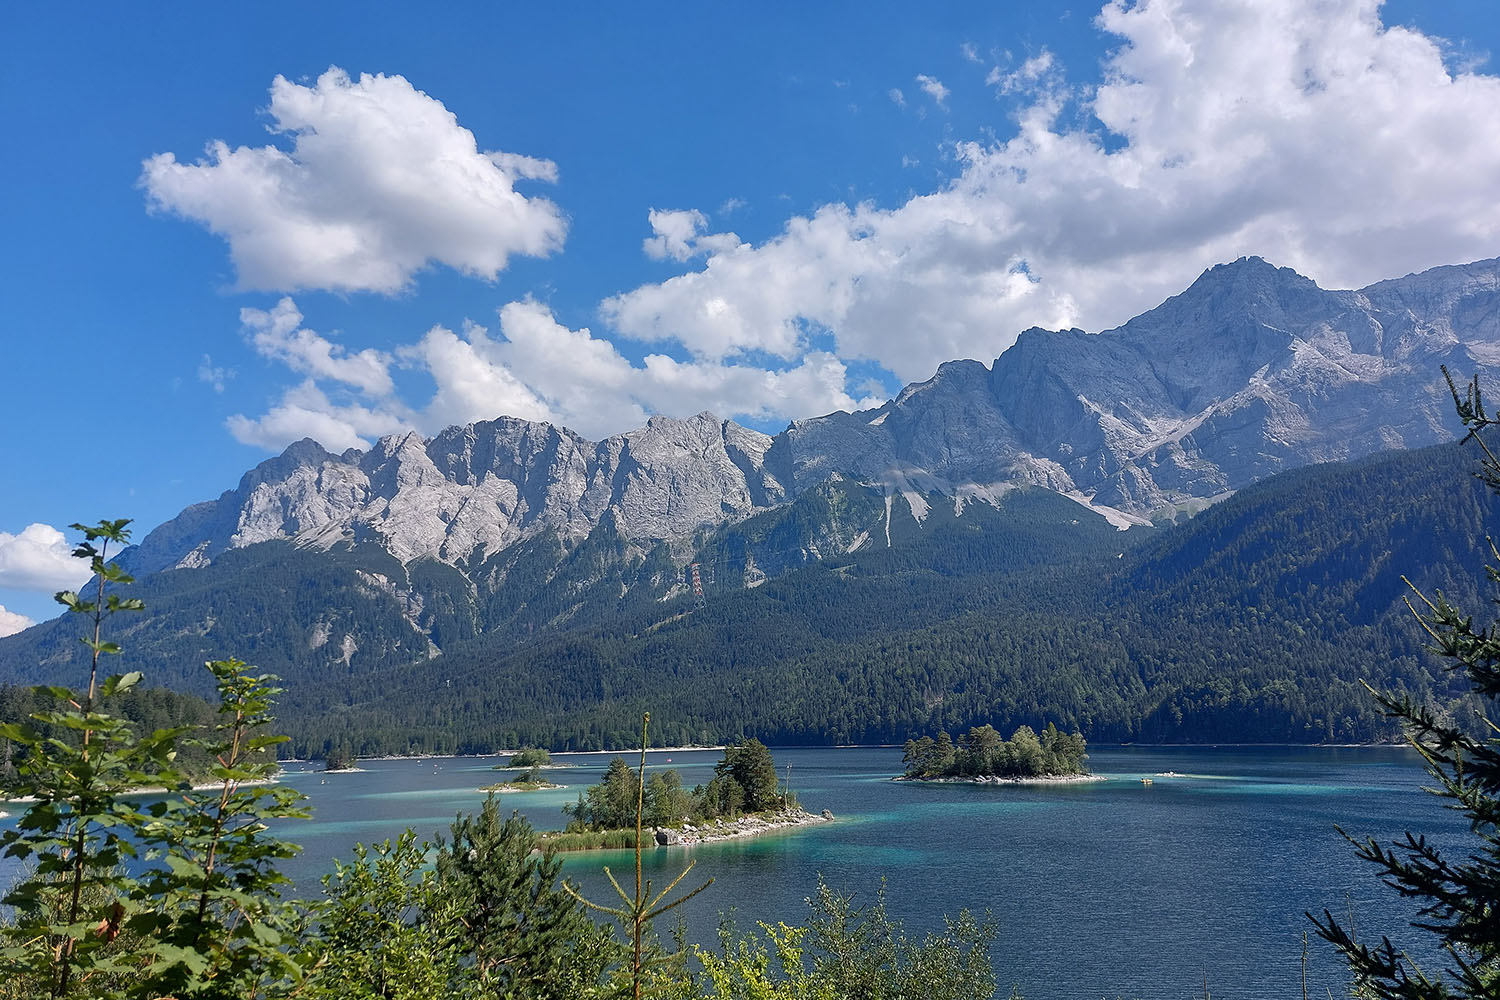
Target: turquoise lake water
x: 1107, y: 889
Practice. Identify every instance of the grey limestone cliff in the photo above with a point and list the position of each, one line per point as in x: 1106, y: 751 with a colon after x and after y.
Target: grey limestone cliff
x: 1251, y: 370
x: 474, y: 490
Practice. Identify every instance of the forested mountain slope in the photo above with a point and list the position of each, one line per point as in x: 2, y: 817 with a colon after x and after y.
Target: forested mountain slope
x: 1255, y: 621
x: 941, y: 558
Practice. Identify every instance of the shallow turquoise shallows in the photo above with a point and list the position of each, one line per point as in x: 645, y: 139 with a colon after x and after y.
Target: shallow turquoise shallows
x: 1115, y: 888
x: 1102, y: 890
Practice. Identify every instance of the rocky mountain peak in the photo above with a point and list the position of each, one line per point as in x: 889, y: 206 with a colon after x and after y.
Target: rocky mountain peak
x: 305, y: 453
x: 1250, y: 370
x: 1246, y: 276
x: 951, y: 376
x: 1249, y: 308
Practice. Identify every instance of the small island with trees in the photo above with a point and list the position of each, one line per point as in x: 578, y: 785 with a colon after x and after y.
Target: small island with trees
x: 533, y: 762
x: 529, y: 781
x: 983, y: 756
x: 531, y: 758
x: 340, y: 758
x: 743, y: 798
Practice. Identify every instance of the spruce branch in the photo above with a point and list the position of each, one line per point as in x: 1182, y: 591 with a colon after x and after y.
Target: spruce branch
x: 641, y: 908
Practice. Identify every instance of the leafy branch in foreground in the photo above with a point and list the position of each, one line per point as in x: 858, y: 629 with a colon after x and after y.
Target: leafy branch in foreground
x: 80, y: 828
x: 216, y: 914
x: 852, y: 951
x: 128, y: 895
x: 1459, y: 900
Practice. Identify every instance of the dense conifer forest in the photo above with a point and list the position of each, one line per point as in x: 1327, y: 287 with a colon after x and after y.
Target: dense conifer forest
x: 983, y: 753
x: 1258, y: 620
x: 144, y: 709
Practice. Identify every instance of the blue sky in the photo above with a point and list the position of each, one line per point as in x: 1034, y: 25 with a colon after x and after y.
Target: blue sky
x: 228, y: 228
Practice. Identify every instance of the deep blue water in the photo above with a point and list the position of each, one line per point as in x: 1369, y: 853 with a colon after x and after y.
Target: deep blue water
x: 1101, y: 890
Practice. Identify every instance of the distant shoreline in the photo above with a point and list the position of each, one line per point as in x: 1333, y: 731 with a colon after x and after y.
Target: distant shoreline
x: 534, y: 767
x: 865, y: 746
x: 633, y: 750
x: 511, y: 753
x: 206, y: 786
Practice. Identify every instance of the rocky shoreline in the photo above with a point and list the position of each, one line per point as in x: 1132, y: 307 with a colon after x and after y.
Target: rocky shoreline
x: 509, y: 787
x: 746, y: 826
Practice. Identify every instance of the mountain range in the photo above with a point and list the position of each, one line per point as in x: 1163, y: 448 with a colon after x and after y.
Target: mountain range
x: 1251, y: 370
x: 500, y: 534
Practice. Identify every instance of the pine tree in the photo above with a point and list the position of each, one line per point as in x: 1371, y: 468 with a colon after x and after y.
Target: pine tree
x: 519, y: 928
x: 1459, y: 899
x: 749, y: 765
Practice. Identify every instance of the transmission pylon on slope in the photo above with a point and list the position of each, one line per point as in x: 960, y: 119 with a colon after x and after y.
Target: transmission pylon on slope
x: 697, y: 578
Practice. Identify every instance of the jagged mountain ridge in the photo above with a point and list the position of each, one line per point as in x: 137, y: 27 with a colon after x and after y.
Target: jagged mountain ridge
x: 474, y: 490
x: 513, y: 542
x: 1251, y: 370
x: 1258, y: 620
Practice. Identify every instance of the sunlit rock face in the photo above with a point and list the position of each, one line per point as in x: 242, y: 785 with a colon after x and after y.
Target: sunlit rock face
x: 1251, y: 370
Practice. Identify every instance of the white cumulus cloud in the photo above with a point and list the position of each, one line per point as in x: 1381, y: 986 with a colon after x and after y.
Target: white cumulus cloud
x: 473, y: 382
x: 679, y: 235
x: 673, y: 233
x: 1311, y: 134
x: 278, y: 334
x: 536, y: 368
x: 39, y: 558
x: 540, y: 369
x: 305, y: 410
x: 380, y: 181
x: 11, y: 622
x: 933, y: 88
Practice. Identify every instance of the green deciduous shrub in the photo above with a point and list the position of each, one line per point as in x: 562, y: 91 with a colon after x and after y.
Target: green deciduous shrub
x: 177, y: 893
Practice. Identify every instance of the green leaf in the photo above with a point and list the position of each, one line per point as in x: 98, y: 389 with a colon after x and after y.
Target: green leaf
x: 114, y: 574
x: 265, y: 934
x: 17, y: 732
x: 120, y: 683
x: 183, y: 868
x: 109, y: 531
x: 55, y: 691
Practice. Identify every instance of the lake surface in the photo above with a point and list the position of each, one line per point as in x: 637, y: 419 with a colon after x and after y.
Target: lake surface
x: 1106, y: 889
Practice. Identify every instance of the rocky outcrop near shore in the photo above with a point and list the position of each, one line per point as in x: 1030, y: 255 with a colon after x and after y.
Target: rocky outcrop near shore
x: 746, y: 826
